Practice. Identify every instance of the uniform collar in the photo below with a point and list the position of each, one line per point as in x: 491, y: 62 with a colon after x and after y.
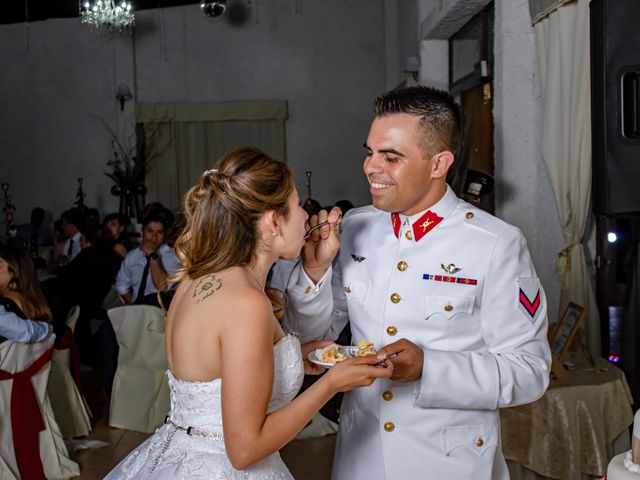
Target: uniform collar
x: 423, y: 222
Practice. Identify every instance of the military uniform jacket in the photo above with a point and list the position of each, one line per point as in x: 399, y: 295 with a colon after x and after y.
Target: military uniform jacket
x: 460, y: 284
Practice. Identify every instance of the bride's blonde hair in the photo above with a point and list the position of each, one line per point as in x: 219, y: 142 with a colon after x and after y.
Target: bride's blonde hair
x: 222, y: 211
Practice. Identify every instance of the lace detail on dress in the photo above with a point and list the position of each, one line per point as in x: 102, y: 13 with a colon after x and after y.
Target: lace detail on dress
x: 172, y: 454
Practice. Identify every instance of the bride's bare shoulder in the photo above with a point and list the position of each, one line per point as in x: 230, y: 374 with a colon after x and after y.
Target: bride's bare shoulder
x: 222, y: 290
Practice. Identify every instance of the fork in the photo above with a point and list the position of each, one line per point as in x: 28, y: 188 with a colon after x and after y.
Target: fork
x: 310, y: 231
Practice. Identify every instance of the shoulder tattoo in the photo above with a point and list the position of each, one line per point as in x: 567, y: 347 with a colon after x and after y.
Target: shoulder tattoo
x: 206, y: 286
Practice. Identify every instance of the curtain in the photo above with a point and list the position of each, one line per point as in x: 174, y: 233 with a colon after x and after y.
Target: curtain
x: 541, y: 8
x: 189, y: 138
x: 562, y: 43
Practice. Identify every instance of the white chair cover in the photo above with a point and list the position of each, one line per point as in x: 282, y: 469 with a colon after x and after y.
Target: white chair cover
x: 53, y: 454
x: 69, y: 406
x: 140, y: 393
x: 112, y: 300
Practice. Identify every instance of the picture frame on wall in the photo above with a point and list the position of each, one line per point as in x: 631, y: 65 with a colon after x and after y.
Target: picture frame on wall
x: 565, y: 330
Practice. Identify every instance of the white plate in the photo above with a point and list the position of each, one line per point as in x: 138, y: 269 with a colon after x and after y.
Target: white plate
x: 316, y: 355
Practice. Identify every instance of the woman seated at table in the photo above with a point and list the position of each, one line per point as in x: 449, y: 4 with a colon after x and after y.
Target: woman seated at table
x: 20, y: 291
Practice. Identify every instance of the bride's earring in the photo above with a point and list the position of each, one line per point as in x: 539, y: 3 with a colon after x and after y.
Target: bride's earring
x: 275, y: 234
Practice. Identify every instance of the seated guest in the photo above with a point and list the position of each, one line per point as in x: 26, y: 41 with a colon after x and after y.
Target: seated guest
x: 17, y: 329
x: 33, y: 234
x: 20, y: 290
x: 85, y: 282
x: 72, y: 223
x: 145, y: 269
x: 113, y: 232
x: 87, y: 279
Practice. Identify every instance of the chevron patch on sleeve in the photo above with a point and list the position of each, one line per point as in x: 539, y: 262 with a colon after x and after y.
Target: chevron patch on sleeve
x: 529, y: 298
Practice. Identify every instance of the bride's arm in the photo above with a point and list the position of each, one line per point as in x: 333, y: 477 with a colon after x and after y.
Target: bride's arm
x: 247, y: 376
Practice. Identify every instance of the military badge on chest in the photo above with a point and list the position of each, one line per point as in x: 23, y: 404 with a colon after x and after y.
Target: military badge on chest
x: 452, y: 270
x: 357, y: 258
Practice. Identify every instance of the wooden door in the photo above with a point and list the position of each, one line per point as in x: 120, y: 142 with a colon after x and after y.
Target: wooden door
x: 477, y: 111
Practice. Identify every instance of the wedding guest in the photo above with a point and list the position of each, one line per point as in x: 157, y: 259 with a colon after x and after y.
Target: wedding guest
x: 34, y: 234
x: 85, y: 281
x: 20, y: 291
x: 446, y: 291
x: 114, y: 231
x: 72, y: 221
x: 21, y: 330
x: 167, y: 217
x: 233, y: 372
x: 145, y: 270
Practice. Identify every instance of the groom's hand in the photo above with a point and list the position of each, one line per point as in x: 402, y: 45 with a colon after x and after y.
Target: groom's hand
x: 322, y: 245
x: 407, y: 359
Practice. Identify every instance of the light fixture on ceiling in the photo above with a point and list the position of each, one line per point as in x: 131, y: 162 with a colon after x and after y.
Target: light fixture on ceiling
x: 213, y: 8
x: 106, y: 16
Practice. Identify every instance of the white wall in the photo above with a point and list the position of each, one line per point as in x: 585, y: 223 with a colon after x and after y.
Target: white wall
x: 327, y: 59
x: 54, y: 86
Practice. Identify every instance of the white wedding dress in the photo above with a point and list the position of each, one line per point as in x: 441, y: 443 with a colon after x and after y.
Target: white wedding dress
x: 172, y: 453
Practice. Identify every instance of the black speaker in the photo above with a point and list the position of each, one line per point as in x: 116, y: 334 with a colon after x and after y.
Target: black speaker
x: 615, y: 106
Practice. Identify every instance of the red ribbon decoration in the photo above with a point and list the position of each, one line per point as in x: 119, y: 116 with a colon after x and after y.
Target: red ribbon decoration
x: 68, y: 340
x: 26, y: 419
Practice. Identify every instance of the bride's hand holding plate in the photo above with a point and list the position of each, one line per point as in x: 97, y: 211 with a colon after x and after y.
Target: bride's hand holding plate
x: 311, y: 368
x: 358, y: 372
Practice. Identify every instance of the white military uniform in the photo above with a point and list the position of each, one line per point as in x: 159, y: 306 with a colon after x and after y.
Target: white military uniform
x: 460, y: 284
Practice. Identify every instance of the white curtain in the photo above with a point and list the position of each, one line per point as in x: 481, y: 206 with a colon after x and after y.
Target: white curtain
x: 562, y: 41
x: 191, y: 137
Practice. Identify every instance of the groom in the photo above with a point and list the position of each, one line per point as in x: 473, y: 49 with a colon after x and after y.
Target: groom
x: 448, y: 291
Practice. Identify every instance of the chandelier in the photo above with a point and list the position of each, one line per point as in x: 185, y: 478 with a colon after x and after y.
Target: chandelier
x: 106, y: 16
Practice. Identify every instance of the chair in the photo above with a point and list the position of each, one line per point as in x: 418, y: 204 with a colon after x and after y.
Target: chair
x: 69, y: 405
x: 140, y: 392
x: 31, y: 445
x: 112, y: 299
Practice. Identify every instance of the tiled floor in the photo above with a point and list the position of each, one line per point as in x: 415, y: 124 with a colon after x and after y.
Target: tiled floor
x: 308, y: 459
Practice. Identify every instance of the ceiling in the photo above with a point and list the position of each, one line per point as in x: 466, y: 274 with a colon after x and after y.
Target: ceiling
x: 16, y: 11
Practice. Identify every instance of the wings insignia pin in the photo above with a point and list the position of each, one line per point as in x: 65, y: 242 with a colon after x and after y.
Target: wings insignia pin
x: 357, y: 258
x: 451, y: 268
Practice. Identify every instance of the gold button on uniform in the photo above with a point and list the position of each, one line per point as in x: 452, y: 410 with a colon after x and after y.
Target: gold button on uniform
x: 469, y: 215
x: 307, y: 290
x: 347, y: 290
x: 395, y: 298
x: 391, y: 331
x: 389, y: 426
x: 402, y: 265
x: 479, y: 442
x: 387, y: 395
x: 448, y: 308
x: 408, y: 235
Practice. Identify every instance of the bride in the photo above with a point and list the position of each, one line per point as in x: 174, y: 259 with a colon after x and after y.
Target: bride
x: 233, y: 371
